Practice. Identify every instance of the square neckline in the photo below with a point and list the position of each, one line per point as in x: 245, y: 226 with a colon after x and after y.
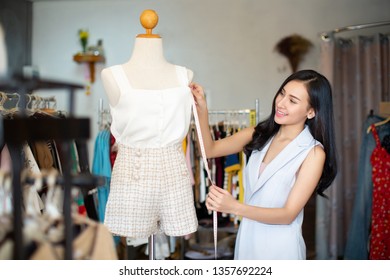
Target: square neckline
x: 154, y: 90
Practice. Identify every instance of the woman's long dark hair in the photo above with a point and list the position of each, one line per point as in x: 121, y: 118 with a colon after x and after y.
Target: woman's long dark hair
x: 321, y: 126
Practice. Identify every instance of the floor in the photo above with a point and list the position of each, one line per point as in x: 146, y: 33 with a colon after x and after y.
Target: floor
x: 308, y: 231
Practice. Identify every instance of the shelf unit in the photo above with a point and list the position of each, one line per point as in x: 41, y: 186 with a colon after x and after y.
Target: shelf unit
x: 91, y: 60
x: 21, y: 128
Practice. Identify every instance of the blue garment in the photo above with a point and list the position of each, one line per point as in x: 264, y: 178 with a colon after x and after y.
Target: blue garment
x: 102, y: 166
x: 357, y: 243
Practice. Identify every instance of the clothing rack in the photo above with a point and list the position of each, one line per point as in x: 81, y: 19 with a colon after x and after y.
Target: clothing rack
x: 103, y: 115
x: 254, y: 114
x: 10, y: 96
x: 326, y: 36
x: 20, y: 129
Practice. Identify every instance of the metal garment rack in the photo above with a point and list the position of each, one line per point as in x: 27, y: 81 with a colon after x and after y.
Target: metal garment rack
x: 326, y: 36
x: 103, y: 115
x: 256, y: 112
x: 21, y: 128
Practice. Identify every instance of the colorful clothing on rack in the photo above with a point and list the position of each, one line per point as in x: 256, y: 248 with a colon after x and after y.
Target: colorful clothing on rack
x: 358, y: 237
x: 101, y: 165
x: 380, y: 224
x: 113, y: 150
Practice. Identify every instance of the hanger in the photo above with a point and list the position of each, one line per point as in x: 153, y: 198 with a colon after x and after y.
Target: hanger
x: 14, y: 110
x: 227, y: 123
x: 28, y: 111
x: 41, y: 107
x: 105, y: 121
x: 4, y: 98
x: 235, y: 121
x: 378, y: 124
x: 2, y: 101
x: 46, y: 106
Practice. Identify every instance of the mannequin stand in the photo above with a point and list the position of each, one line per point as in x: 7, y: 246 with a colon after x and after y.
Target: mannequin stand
x: 151, y: 247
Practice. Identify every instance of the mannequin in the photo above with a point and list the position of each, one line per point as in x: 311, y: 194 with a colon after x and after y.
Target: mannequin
x: 147, y: 67
x: 150, y: 104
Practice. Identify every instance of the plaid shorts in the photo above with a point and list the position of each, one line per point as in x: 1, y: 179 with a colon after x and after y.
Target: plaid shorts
x: 150, y: 191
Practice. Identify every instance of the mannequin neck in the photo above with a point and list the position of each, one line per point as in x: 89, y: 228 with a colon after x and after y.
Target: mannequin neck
x: 148, y: 53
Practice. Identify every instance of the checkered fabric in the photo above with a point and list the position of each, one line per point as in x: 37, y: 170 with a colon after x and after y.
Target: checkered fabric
x: 150, y: 191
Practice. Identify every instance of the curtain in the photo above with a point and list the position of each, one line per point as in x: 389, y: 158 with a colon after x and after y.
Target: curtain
x: 358, y: 69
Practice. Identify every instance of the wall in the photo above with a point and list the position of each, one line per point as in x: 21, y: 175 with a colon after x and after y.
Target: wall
x: 229, y: 44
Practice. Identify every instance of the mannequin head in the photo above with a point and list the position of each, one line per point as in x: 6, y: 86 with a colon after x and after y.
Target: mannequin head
x: 149, y: 20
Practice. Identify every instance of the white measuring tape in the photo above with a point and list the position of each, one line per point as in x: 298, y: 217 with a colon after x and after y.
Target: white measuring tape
x: 200, y: 137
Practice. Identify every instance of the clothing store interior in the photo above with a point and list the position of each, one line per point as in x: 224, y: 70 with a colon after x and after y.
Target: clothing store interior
x: 66, y: 174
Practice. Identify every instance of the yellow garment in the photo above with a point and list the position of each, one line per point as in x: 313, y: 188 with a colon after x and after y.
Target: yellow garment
x: 184, y: 145
x: 231, y: 171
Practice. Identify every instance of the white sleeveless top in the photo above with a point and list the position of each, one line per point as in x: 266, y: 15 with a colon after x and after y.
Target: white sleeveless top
x: 151, y: 118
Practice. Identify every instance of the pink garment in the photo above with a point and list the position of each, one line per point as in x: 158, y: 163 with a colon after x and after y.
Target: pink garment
x: 5, y: 160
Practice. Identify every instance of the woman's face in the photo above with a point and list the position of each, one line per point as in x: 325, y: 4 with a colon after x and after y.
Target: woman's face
x: 292, y: 104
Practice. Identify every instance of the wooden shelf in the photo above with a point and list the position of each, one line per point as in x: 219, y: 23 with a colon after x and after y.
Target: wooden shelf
x: 31, y: 84
x: 91, y: 60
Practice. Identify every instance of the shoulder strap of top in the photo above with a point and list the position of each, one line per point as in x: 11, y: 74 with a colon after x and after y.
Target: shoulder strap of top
x: 182, y: 74
x: 120, y: 77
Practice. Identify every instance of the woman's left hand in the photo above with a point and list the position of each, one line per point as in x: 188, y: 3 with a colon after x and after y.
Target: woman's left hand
x: 221, y: 200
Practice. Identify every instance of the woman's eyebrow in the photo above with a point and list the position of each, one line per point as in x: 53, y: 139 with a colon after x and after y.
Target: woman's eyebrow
x: 293, y: 96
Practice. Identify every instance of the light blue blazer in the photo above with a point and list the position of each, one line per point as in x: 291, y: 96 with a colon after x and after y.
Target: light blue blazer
x: 257, y: 240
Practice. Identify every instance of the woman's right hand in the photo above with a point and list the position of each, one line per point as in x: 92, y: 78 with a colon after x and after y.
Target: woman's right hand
x: 198, y: 93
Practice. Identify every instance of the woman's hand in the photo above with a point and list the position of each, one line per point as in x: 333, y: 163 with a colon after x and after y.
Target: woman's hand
x: 198, y: 93
x: 221, y: 200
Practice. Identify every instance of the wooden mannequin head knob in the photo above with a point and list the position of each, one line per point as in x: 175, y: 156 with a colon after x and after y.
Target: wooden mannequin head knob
x: 149, y: 20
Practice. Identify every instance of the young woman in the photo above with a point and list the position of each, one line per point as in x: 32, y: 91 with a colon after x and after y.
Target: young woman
x: 291, y: 155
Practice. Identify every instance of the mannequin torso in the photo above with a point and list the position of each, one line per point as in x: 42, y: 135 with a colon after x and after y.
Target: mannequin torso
x: 151, y: 107
x: 146, y: 69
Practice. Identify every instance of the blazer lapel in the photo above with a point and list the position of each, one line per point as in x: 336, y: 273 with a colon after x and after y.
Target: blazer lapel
x: 253, y: 169
x: 293, y: 149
